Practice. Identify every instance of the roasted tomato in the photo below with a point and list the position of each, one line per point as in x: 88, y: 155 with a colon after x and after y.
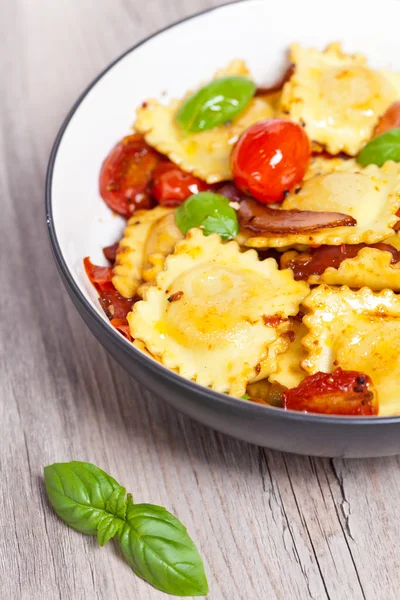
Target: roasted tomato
x: 122, y: 326
x: 389, y: 120
x: 126, y: 175
x: 114, y: 305
x: 171, y: 185
x: 338, y: 393
x: 269, y: 158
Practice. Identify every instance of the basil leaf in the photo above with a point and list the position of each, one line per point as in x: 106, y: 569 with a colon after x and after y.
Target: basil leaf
x: 382, y: 148
x: 153, y: 541
x: 159, y: 550
x: 82, y: 494
x: 215, y: 104
x: 209, y: 211
x: 245, y: 397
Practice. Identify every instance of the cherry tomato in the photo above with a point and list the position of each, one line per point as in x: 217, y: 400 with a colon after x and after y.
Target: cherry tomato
x: 126, y: 175
x: 269, y: 158
x: 337, y: 393
x: 122, y: 326
x: 389, y: 120
x: 114, y: 305
x: 171, y: 185
x: 99, y: 276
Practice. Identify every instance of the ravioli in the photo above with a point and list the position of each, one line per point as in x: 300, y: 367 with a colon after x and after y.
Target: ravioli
x: 371, y: 195
x: 370, y: 268
x: 207, y: 315
x: 131, y: 255
x: 161, y: 241
x: 289, y: 371
x: 205, y: 154
x: 356, y: 330
x: 337, y: 97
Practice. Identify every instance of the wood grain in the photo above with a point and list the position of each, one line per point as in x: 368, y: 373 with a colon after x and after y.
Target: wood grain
x: 270, y: 526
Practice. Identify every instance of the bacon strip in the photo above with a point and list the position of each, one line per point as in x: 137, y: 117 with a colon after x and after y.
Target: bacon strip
x: 263, y: 219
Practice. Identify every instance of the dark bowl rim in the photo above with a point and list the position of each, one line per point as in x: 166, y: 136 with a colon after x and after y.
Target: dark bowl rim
x: 124, y: 346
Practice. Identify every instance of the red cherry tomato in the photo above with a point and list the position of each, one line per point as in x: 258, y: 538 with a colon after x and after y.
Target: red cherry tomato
x: 171, y: 185
x: 338, y: 393
x: 126, y: 175
x: 122, y: 326
x: 114, y: 305
x: 270, y: 158
x: 389, y: 120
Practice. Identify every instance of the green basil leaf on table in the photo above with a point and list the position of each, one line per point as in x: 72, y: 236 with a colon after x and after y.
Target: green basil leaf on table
x: 215, y: 104
x: 212, y: 212
x: 159, y: 550
x: 380, y: 149
x: 154, y: 542
x: 80, y: 493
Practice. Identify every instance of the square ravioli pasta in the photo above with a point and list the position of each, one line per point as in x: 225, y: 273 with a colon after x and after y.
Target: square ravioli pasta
x: 337, y: 97
x: 213, y: 313
x: 359, y: 331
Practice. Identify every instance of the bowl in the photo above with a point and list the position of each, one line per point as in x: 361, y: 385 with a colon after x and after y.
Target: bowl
x: 80, y: 224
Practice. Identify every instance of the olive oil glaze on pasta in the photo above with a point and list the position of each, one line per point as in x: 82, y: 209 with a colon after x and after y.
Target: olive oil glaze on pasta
x: 261, y: 256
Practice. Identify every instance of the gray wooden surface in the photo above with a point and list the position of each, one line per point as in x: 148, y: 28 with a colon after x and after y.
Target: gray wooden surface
x: 269, y: 526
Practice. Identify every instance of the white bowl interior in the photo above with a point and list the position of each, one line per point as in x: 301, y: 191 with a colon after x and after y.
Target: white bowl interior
x: 175, y: 60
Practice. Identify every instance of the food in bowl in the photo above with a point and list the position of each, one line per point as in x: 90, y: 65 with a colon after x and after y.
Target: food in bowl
x: 261, y: 254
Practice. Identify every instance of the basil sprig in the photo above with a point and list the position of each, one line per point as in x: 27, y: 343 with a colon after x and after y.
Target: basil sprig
x: 212, y: 212
x: 153, y: 541
x: 215, y: 104
x: 382, y: 148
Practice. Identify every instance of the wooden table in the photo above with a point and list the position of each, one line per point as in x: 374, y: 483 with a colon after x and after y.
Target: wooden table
x: 270, y: 526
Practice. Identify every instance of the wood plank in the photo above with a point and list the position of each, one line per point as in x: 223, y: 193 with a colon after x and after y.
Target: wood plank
x: 270, y: 526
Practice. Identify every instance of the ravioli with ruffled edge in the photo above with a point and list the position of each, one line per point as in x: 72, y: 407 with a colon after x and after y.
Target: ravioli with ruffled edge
x: 356, y: 330
x: 205, y: 154
x: 150, y: 235
x: 336, y: 97
x: 206, y: 315
x: 289, y: 371
x: 371, y: 268
x: 371, y: 195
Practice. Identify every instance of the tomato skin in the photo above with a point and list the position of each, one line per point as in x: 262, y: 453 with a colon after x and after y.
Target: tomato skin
x: 172, y: 186
x: 269, y: 158
x: 114, y: 305
x: 339, y: 393
x: 122, y: 326
x: 126, y: 174
x: 389, y: 120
